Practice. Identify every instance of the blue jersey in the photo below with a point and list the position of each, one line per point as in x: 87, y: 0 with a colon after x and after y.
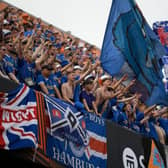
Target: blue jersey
x: 123, y: 119
x: 10, y: 64
x: 89, y: 97
x: 135, y: 126
x: 153, y: 133
x: 27, y: 72
x: 49, y: 83
x: 145, y: 129
x: 60, y: 57
x: 164, y: 124
x: 55, y: 79
x: 108, y: 113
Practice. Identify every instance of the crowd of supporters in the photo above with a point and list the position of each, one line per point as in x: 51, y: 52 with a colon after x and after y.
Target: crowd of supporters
x: 59, y: 65
x: 161, y: 29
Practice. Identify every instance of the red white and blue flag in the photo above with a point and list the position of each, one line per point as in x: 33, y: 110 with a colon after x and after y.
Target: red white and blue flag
x: 18, y: 119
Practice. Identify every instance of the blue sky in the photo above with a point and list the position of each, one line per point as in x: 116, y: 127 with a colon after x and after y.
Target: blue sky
x: 86, y: 19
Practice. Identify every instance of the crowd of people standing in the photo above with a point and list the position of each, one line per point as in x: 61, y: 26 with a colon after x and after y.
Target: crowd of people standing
x: 65, y: 67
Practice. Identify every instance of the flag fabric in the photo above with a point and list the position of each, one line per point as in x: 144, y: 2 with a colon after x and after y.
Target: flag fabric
x: 65, y: 121
x: 129, y: 41
x: 155, y: 160
x: 75, y: 140
x: 18, y: 119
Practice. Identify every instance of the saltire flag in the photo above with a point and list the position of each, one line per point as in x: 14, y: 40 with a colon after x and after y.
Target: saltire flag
x: 66, y: 121
x: 18, y: 119
x: 130, y: 42
x: 74, y: 155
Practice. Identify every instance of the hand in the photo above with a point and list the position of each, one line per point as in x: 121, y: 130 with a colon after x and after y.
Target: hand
x: 132, y: 82
x: 97, y: 62
x: 91, y: 111
x: 98, y: 114
x: 138, y: 95
x: 125, y: 77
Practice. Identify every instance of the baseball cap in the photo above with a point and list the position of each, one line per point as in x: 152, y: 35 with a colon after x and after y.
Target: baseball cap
x: 88, y: 79
x: 5, y: 22
x: 105, y: 77
x: 77, y: 67
x: 58, y: 66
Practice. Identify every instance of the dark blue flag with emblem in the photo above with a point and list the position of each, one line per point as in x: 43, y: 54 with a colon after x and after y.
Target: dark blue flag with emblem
x: 131, y: 46
x: 92, y: 155
x: 66, y: 122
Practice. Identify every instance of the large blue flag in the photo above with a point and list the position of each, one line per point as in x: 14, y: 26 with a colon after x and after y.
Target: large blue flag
x: 130, y: 42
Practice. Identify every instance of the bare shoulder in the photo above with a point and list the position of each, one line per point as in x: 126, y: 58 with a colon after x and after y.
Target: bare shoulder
x: 98, y: 91
x: 64, y: 85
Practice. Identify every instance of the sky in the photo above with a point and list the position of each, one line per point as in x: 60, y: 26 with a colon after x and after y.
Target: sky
x: 86, y: 19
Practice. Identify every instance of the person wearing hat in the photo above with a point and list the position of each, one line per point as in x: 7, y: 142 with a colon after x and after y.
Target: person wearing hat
x: 106, y: 95
x: 86, y: 95
x: 46, y: 83
x: 103, y: 94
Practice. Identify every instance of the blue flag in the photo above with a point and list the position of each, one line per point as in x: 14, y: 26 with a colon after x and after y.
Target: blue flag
x: 74, y: 155
x: 66, y: 121
x: 129, y: 42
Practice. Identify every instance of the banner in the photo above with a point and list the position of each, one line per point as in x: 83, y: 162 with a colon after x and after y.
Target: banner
x: 65, y: 121
x: 124, y: 148
x: 156, y: 160
x: 18, y: 118
x: 127, y: 149
x: 94, y: 155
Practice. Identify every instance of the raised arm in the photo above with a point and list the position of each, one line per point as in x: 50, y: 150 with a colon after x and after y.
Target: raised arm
x: 90, y: 69
x: 119, y: 81
x: 160, y: 112
x: 126, y: 99
x: 38, y: 50
x: 125, y: 90
x: 42, y: 58
x: 149, y: 109
x: 30, y: 39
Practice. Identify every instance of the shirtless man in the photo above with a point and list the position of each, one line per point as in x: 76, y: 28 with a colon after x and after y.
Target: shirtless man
x: 68, y: 88
x: 107, y: 92
x: 103, y: 95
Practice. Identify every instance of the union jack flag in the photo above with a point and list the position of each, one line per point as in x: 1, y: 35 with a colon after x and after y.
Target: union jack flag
x: 18, y: 118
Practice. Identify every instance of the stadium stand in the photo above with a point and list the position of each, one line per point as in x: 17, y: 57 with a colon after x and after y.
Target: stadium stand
x: 59, y: 65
